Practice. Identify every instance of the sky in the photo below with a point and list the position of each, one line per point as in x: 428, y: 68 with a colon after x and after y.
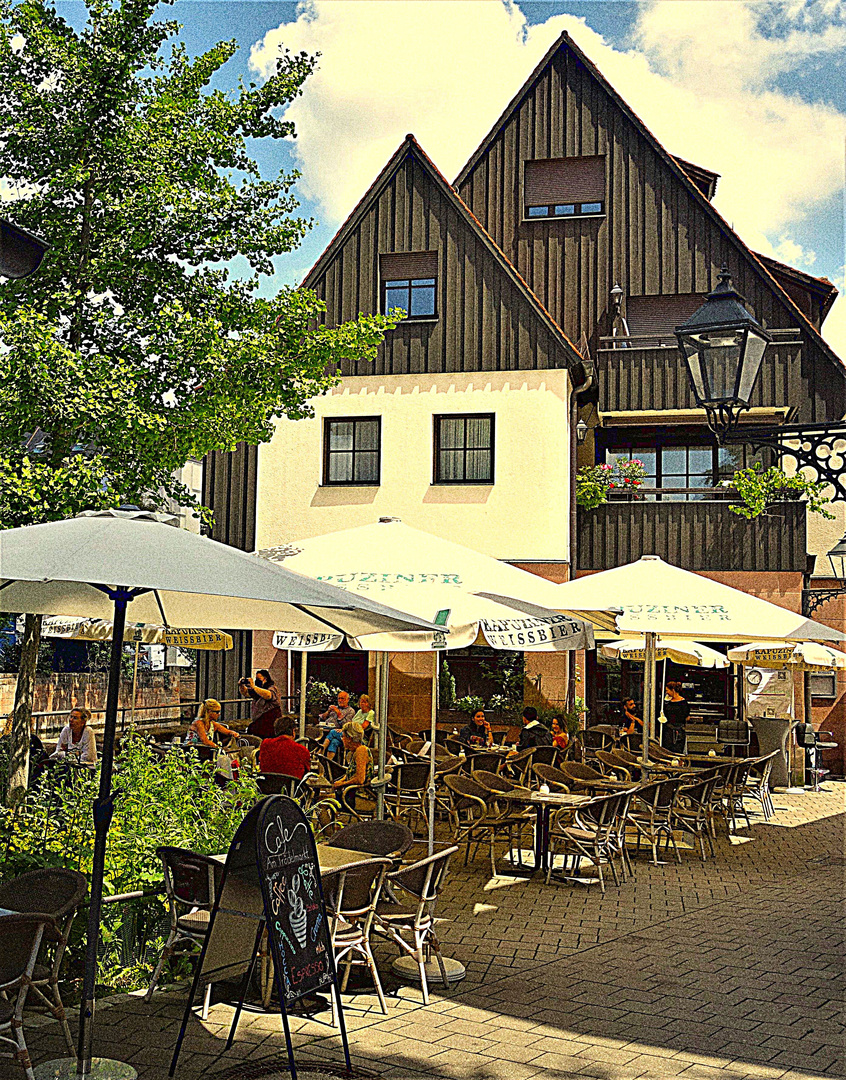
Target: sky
x: 754, y: 91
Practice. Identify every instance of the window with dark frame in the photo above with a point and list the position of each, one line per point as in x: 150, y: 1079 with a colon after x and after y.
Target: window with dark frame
x: 410, y: 281
x: 675, y: 464
x: 351, y: 450
x: 464, y: 448
x: 564, y: 187
x: 823, y: 684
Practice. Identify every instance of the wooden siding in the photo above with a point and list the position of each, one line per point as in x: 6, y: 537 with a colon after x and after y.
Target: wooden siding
x: 657, y: 237
x: 229, y: 488
x: 486, y: 322
x: 694, y: 535
x: 639, y: 378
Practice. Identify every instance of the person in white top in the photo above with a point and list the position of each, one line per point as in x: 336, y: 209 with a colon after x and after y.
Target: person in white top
x: 77, y: 739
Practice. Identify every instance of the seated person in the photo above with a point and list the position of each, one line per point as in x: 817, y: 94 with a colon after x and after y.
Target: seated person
x: 477, y: 732
x: 77, y: 739
x: 341, y: 713
x: 207, y: 724
x: 560, y: 738
x: 283, y: 754
x: 533, y: 733
x: 632, y: 723
x: 333, y: 745
x: 366, y: 716
x: 359, y: 759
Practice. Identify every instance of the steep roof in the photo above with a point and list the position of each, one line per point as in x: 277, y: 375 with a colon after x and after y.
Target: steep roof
x: 756, y: 263
x: 821, y: 287
x: 410, y: 146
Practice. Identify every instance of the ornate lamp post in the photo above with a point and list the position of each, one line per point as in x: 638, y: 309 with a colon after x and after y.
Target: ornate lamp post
x: 814, y: 598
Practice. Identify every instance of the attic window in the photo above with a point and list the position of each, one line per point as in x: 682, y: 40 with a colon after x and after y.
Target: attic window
x: 564, y: 187
x: 410, y: 281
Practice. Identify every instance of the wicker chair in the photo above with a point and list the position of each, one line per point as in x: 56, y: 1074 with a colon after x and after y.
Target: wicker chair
x: 581, y: 777
x: 519, y: 766
x: 546, y: 755
x: 693, y: 812
x: 405, y: 793
x: 591, y: 832
x: 21, y: 937
x: 483, y: 759
x: 653, y: 815
x: 59, y: 893
x: 758, y: 783
x: 593, y: 740
x: 612, y: 765
x: 478, y: 815
x: 387, y: 839
x: 191, y: 884
x: 422, y: 883
x: 554, y: 778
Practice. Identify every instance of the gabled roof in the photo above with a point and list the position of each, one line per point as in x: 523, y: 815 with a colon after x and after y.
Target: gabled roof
x: 566, y: 42
x: 705, y: 179
x: 821, y: 287
x: 411, y: 147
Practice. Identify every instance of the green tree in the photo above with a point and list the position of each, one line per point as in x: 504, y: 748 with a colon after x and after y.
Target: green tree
x: 133, y: 348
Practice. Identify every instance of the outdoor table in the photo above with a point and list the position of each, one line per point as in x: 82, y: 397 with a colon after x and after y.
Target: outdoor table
x: 544, y: 803
x: 328, y: 858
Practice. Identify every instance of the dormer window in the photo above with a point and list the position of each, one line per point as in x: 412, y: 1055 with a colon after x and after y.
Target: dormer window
x: 564, y: 187
x: 410, y: 281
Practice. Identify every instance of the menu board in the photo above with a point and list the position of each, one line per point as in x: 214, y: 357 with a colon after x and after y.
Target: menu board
x: 290, y: 881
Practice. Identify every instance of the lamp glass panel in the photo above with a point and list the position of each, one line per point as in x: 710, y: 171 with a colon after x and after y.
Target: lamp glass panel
x: 694, y: 366
x: 720, y: 354
x: 751, y: 365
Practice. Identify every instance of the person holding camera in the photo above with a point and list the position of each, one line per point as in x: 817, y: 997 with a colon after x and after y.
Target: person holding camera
x: 265, y: 703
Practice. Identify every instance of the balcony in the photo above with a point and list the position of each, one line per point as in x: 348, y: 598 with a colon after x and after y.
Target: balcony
x: 696, y: 535
x: 645, y: 373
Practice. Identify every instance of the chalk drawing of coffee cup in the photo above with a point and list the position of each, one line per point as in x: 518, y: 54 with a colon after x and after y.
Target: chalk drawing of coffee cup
x: 297, y: 916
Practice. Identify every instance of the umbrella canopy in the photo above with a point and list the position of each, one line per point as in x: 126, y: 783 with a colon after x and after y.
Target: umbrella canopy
x: 180, y: 579
x: 803, y: 656
x: 72, y: 628
x: 661, y: 598
x: 676, y: 649
x: 439, y: 580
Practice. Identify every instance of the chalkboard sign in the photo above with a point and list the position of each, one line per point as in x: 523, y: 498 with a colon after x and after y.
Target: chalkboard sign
x: 289, y: 875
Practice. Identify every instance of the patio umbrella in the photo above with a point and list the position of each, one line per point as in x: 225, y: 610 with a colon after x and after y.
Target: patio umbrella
x: 97, y: 564
x: 802, y: 656
x: 440, y: 580
x: 676, y: 649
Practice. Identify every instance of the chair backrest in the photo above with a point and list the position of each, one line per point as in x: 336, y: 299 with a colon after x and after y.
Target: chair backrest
x: 56, y: 891
x: 575, y: 770
x: 626, y: 755
x: 354, y: 890
x: 548, y: 774
x: 385, y: 838
x: 410, y: 776
x: 456, y: 748
x: 612, y: 764
x: 483, y: 760
x: 462, y: 785
x: 545, y: 755
x: 332, y: 770
x: 662, y: 794
x: 20, y: 940
x: 596, y: 740
x: 601, y: 812
x: 446, y: 765
x: 271, y: 783
x: 496, y: 785
x: 763, y: 767
x: 415, y: 746
x: 699, y: 792
x: 190, y: 878
x: 424, y: 879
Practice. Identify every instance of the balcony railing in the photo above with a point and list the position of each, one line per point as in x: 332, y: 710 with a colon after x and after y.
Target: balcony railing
x: 697, y: 535
x: 645, y: 372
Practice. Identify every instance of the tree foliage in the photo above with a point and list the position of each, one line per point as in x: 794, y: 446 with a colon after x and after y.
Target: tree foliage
x: 133, y: 348
x: 758, y: 487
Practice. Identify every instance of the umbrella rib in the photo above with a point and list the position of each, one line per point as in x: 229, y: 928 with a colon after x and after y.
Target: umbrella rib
x: 161, y: 609
x: 332, y: 626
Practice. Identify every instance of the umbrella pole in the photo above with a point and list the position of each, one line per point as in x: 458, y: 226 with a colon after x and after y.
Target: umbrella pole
x: 134, y: 685
x: 382, y: 670
x: 648, y: 699
x: 436, y: 656
x: 303, y: 681
x: 103, y: 809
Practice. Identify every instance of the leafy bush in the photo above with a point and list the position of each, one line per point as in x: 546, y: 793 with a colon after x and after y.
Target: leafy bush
x: 470, y: 704
x: 508, y: 674
x: 758, y: 487
x: 173, y: 802
x: 595, y: 483
x: 446, y: 687
x: 320, y: 695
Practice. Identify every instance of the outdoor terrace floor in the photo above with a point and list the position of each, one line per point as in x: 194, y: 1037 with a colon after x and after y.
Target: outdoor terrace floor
x: 721, y: 971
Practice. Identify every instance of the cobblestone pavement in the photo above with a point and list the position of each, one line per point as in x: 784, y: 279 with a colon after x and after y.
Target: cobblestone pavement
x: 721, y: 971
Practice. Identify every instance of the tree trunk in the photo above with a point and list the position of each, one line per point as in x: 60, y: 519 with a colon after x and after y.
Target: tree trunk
x: 22, y: 713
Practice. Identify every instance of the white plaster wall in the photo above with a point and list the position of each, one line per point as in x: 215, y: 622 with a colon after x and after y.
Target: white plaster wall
x: 523, y: 515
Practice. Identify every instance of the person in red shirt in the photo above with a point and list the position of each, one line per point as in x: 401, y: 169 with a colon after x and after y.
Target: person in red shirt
x: 283, y: 754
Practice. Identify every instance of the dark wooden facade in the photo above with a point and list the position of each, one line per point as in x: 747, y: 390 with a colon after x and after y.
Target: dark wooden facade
x: 487, y: 320
x: 230, y: 489
x: 659, y: 235
x: 702, y: 535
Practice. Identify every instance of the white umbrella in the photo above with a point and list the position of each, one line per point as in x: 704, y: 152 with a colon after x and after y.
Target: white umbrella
x: 418, y: 572
x: 801, y: 656
x: 99, y: 563
x: 676, y: 649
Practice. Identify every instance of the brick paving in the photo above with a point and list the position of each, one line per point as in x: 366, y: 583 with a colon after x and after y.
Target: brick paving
x: 724, y: 971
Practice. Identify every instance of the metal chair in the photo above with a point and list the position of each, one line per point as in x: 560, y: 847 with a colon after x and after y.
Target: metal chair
x: 758, y: 783
x: 351, y: 894
x: 388, y: 839
x: 422, y: 882
x: 693, y: 811
x: 20, y: 941
x: 477, y: 815
x: 611, y: 765
x: 58, y: 892
x: 191, y: 884
x: 546, y: 755
x: 652, y: 815
x: 589, y: 832
x: 554, y: 778
x: 405, y: 793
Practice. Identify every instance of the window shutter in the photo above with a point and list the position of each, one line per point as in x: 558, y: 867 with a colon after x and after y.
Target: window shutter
x: 564, y: 180
x: 406, y: 265
x: 660, y: 315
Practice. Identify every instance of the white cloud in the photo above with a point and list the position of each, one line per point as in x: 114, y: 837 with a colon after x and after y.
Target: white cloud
x: 834, y: 327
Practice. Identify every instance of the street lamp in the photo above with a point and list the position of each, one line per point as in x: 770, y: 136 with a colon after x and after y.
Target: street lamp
x: 723, y: 346
x: 20, y: 251
x: 814, y: 598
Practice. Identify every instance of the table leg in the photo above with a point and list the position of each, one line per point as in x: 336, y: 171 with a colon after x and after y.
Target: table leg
x: 540, y: 848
